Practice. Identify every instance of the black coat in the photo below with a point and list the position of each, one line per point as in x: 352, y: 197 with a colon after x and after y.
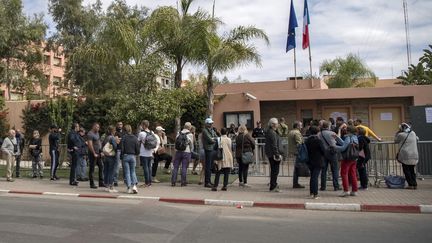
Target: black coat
x: 272, y: 143
x: 246, y: 142
x: 364, y: 145
x: 316, y: 151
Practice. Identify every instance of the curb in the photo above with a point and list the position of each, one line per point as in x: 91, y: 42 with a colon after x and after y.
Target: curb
x: 352, y: 207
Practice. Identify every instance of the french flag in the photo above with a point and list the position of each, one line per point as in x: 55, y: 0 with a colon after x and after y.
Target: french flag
x: 306, y: 22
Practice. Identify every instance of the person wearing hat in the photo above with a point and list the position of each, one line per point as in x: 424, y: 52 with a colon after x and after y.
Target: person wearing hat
x: 408, y: 153
x: 161, y: 154
x: 209, y: 139
x: 54, y: 138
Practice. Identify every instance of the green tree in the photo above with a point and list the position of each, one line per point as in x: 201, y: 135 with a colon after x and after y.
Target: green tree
x: 229, y: 51
x: 20, y: 48
x: 3, y: 121
x: 348, y: 72
x: 420, y: 74
x: 180, y: 36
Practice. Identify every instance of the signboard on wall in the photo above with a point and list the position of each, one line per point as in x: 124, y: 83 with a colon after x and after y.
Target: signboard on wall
x: 386, y: 116
x: 421, y: 119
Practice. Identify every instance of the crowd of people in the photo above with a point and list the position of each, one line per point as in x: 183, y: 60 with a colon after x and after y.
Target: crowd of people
x: 342, y: 146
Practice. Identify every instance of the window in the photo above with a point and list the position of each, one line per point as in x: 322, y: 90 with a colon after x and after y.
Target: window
x: 57, y: 61
x: 239, y: 118
x: 56, y: 81
x: 47, y: 59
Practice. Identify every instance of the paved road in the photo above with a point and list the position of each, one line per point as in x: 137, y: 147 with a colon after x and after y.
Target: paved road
x: 33, y: 219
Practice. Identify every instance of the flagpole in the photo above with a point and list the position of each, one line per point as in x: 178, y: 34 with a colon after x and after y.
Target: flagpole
x: 295, y: 70
x: 310, y: 63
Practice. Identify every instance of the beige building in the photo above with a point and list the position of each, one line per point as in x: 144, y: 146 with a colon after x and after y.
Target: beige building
x: 382, y: 107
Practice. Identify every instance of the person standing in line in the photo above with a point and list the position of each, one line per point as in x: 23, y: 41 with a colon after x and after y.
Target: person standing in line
x: 73, y: 144
x: 315, y: 163
x: 110, y: 160
x: 95, y: 147
x: 364, y: 157
x: 10, y: 148
x: 35, y: 147
x: 295, y: 139
x: 330, y: 139
x: 54, y: 141
x: 82, y: 163
x: 161, y: 154
x: 348, y: 166
x: 368, y: 131
x: 282, y: 128
x: 119, y: 134
x: 273, y: 152
x: 209, y: 139
x: 408, y: 153
x: 146, y: 153
x: 130, y: 149
x: 224, y: 165
x: 21, y: 142
x: 184, y: 146
x: 244, y: 143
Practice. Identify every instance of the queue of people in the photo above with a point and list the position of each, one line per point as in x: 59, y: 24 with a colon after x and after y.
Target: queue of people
x: 342, y: 147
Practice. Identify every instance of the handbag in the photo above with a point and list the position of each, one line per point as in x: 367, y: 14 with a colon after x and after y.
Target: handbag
x: 352, y: 151
x: 247, y: 157
x: 108, y: 149
x: 400, y: 148
x: 330, y: 152
x: 395, y: 182
x: 302, y: 170
x: 218, y: 154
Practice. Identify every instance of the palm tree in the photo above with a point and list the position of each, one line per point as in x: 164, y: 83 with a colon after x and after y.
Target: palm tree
x: 180, y: 35
x: 230, y: 51
x: 348, y: 72
x: 420, y: 74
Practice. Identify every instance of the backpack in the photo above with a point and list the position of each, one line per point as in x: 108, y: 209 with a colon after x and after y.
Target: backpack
x: 181, y: 142
x: 302, y: 154
x: 150, y: 141
x: 351, y: 152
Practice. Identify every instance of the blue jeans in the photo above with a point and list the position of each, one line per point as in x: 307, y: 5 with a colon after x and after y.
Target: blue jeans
x: 129, y: 164
x: 81, y: 168
x: 109, y: 164
x: 183, y: 158
x: 335, y: 173
x: 207, y: 166
x: 146, y: 163
x: 117, y: 167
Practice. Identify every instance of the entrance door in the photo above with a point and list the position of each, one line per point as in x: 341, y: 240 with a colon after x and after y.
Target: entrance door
x: 335, y: 112
x: 385, y: 121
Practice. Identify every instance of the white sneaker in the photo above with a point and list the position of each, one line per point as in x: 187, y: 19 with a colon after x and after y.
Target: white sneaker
x: 129, y: 191
x: 353, y: 194
x: 106, y: 189
x: 344, y: 194
x: 134, y: 189
x: 112, y: 190
x: 246, y: 185
x: 241, y: 184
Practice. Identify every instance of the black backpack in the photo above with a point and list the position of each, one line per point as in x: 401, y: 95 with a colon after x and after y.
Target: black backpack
x: 181, y: 142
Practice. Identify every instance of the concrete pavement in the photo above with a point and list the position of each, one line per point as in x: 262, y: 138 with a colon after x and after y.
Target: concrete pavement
x: 375, y: 199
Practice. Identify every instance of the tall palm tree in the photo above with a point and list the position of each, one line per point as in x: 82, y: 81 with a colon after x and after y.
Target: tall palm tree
x: 229, y: 51
x: 348, y: 72
x: 180, y: 35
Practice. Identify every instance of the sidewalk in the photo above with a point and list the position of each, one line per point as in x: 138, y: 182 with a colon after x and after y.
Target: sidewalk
x: 375, y: 199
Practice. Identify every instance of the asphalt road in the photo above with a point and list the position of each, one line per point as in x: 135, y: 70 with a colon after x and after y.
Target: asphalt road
x: 34, y: 219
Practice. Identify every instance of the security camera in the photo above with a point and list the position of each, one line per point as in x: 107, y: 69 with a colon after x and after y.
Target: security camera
x: 250, y: 97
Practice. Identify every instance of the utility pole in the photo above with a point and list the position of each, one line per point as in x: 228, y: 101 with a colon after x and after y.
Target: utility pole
x: 407, y: 34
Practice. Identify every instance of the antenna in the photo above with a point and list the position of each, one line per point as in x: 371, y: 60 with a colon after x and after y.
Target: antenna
x: 407, y: 34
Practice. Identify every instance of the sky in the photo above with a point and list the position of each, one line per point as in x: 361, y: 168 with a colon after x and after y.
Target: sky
x: 372, y: 29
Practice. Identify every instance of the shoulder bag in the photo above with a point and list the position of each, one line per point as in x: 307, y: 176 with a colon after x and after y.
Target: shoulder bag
x: 247, y: 157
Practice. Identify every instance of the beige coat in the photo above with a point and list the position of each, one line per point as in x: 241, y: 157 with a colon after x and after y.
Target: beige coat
x: 227, y: 161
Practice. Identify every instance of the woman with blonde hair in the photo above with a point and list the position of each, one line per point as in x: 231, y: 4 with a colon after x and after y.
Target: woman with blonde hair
x: 244, y: 143
x: 35, y: 152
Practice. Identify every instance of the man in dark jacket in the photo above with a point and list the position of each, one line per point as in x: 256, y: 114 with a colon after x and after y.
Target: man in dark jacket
x: 74, y: 143
x: 21, y: 141
x: 209, y: 139
x: 54, y: 139
x: 273, y: 152
x: 316, y: 151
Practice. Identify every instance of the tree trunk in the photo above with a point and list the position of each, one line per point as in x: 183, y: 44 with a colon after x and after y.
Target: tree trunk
x: 8, y: 81
x: 210, y: 94
x: 177, y: 85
